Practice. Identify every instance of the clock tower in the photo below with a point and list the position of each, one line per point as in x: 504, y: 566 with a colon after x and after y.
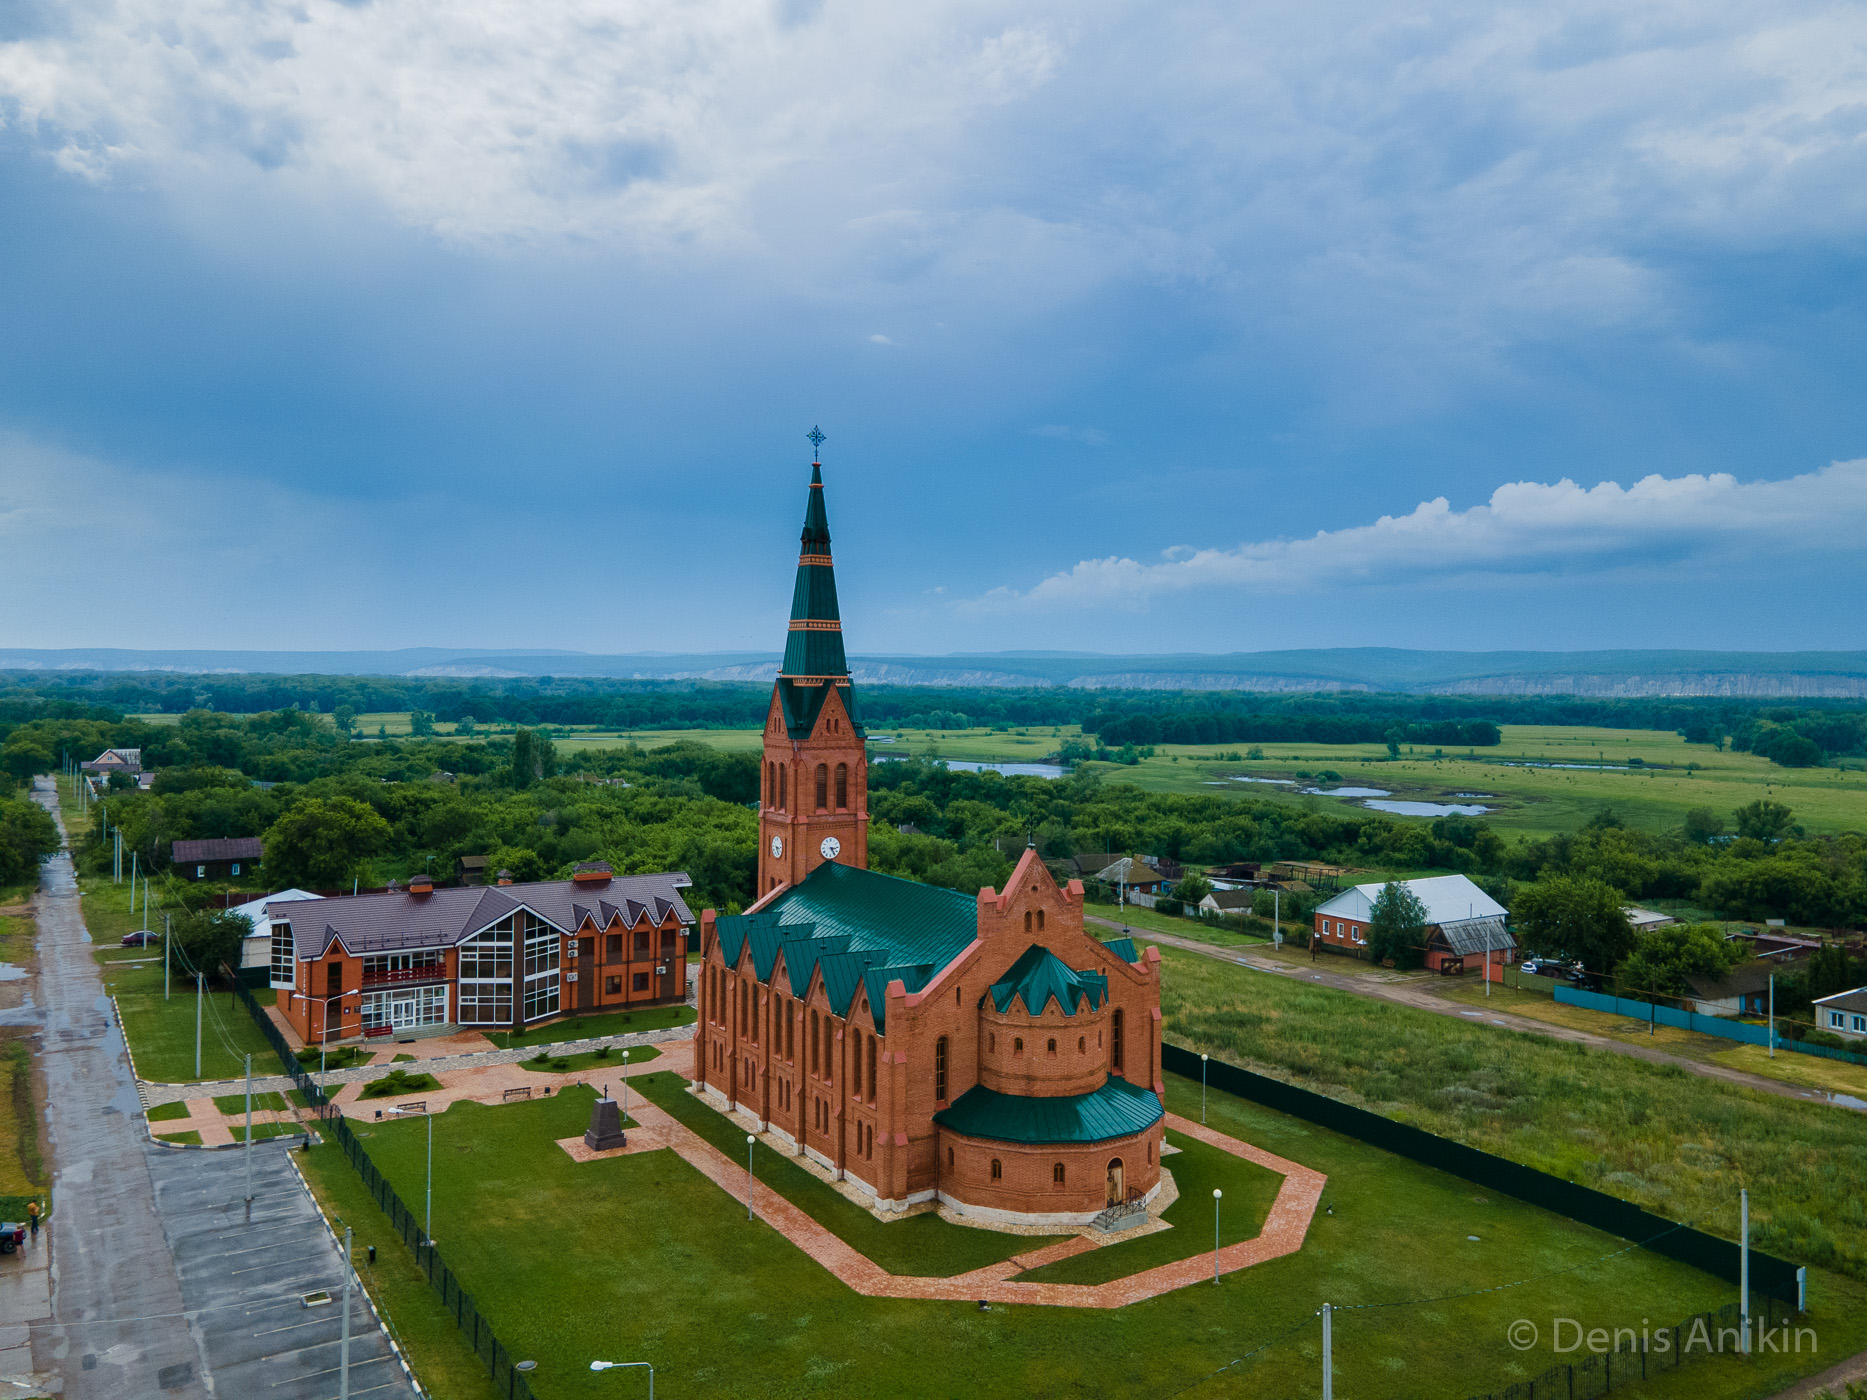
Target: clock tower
x: 814, y: 791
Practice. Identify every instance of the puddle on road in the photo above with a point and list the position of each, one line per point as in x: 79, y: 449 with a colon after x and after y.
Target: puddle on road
x: 10, y: 973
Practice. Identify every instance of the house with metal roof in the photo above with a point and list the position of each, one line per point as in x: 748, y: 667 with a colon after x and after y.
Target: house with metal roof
x: 1466, y: 929
x: 921, y: 1044
x: 1843, y: 1014
x: 494, y: 957
x: 218, y: 858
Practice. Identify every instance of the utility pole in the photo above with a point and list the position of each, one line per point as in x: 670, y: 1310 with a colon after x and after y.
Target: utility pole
x: 343, y: 1355
x: 249, y: 1129
x: 1743, y: 1267
x: 132, y: 882
x: 749, y: 1141
x: 1216, y: 1194
x: 1328, y: 1356
x: 197, y: 1025
x: 166, y: 963
x: 1772, y: 1015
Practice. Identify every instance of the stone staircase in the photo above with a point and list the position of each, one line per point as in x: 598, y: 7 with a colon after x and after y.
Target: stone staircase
x: 1125, y: 1216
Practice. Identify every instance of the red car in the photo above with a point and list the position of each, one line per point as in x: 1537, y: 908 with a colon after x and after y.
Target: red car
x: 142, y: 938
x: 11, y: 1236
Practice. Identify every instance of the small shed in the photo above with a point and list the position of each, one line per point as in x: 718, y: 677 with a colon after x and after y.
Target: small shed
x: 1743, y: 991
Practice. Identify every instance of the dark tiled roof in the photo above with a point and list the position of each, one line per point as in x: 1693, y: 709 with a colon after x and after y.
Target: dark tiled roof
x: 1743, y: 980
x: 219, y: 848
x: 377, y: 922
x: 1117, y: 1109
x: 1232, y: 899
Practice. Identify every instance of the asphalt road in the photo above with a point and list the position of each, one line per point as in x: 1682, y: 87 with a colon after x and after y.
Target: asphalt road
x: 159, y: 1281
x: 1408, y: 992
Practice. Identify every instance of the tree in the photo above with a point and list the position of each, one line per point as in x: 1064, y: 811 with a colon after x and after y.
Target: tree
x: 1831, y: 971
x: 1575, y: 916
x: 421, y: 723
x: 1192, y: 889
x: 1766, y: 820
x: 346, y: 718
x: 533, y: 758
x: 1703, y: 825
x: 464, y: 725
x: 207, y: 940
x: 27, y: 835
x: 1397, y: 927
x: 1664, y: 957
x: 320, y: 842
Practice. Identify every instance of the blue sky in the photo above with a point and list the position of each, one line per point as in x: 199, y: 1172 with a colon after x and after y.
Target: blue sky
x: 1134, y: 327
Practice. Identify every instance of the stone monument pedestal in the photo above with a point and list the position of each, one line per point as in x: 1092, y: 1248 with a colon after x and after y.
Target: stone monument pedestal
x: 605, y: 1130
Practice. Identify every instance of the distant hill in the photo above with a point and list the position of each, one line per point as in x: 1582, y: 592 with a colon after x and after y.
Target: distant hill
x: 1628, y: 674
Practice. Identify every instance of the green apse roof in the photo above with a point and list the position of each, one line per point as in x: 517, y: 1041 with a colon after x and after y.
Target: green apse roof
x: 865, y: 929
x: 815, y: 651
x: 1039, y: 976
x: 1117, y: 1109
x: 1123, y: 948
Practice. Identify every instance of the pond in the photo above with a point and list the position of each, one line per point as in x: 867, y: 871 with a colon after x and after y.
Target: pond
x: 1280, y: 782
x: 1429, y: 809
x: 1350, y: 792
x: 1009, y: 770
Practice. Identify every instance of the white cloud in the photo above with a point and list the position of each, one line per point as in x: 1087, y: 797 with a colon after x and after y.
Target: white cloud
x: 1526, y: 528
x: 1088, y: 437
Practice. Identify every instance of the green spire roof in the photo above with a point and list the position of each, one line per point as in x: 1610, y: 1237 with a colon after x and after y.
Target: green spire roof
x: 815, y: 644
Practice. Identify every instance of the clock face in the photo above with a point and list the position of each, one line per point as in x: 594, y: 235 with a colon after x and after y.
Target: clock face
x: 777, y: 847
x: 831, y: 847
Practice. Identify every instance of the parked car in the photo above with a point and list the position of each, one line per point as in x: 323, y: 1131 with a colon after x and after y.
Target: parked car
x: 1546, y: 967
x: 11, y: 1236
x: 142, y: 938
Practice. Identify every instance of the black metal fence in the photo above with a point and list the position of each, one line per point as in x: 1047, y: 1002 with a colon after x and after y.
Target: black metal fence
x: 1769, y: 1276
x: 508, y: 1380
x: 1634, y: 1356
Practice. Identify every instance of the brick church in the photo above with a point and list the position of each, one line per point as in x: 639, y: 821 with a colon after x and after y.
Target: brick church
x: 923, y: 1044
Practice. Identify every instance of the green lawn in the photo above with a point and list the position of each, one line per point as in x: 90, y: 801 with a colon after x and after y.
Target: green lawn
x: 236, y: 1103
x: 167, y: 1112
x: 678, y: 1276
x: 262, y: 1131
x: 652, y: 1018
x: 593, y: 1059
x: 162, y: 1033
x: 190, y: 1138
x: 1198, y: 1170
x: 1672, y: 1141
x: 1140, y: 920
x: 920, y: 1245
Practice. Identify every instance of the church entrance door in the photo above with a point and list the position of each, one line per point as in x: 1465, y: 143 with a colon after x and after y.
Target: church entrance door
x: 1116, y: 1194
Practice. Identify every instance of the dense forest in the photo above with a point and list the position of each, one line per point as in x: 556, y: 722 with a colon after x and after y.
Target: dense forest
x: 1796, y: 735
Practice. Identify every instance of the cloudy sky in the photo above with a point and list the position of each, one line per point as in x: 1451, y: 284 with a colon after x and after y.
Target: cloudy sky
x: 1134, y: 327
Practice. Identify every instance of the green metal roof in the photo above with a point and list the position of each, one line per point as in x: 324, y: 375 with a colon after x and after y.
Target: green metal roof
x: 1123, y: 948
x: 803, y: 703
x: 815, y: 651
x: 1039, y: 976
x: 866, y: 929
x: 1117, y: 1109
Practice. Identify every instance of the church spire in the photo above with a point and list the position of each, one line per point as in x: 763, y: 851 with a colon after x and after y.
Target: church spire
x: 815, y: 644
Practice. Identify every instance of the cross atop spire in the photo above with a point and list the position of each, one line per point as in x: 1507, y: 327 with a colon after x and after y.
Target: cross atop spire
x: 816, y: 436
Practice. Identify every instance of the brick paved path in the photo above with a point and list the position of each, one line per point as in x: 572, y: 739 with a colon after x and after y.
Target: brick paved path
x: 1283, y: 1232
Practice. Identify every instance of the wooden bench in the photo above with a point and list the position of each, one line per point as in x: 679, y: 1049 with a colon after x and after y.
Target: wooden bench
x: 523, y: 1092
x: 419, y: 1106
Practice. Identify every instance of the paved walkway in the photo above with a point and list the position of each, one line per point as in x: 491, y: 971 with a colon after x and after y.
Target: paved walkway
x: 1408, y: 992
x: 154, y: 1093
x: 1283, y: 1232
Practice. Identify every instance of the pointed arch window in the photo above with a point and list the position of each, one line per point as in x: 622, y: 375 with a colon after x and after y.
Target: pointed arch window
x: 783, y: 781
x: 823, y: 786
x: 940, y: 1069
x: 842, y: 787
x: 1115, y: 1039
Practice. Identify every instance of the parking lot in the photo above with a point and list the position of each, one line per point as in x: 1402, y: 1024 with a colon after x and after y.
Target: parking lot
x: 244, y: 1273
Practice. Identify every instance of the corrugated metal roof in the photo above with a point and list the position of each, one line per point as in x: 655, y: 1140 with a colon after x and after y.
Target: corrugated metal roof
x: 1447, y: 898
x: 216, y: 848
x: 1040, y: 977
x: 1117, y: 1109
x: 1468, y: 936
x: 1124, y: 949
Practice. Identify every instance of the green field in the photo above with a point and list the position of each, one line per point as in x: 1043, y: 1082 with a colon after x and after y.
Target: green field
x: 162, y: 1033
x: 679, y: 1277
x: 1655, y: 1134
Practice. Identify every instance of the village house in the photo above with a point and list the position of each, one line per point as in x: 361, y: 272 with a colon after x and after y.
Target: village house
x: 1465, y: 927
x: 1843, y: 1014
x: 256, y: 947
x: 1743, y: 991
x: 129, y: 762
x: 220, y: 858
x: 502, y: 956
x: 920, y: 1043
x: 1228, y: 902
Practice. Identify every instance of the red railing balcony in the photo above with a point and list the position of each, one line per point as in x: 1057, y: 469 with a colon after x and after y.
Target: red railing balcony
x: 434, y: 972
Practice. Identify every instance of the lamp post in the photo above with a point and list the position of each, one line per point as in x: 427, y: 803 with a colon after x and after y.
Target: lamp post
x: 750, y: 1140
x: 1216, y: 1194
x: 619, y: 1365
x: 1328, y: 1354
x: 427, y: 1224
x: 1202, y: 1089
x: 625, y: 1086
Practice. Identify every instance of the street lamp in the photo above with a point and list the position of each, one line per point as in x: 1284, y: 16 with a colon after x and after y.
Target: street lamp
x: 749, y: 1141
x: 619, y: 1365
x: 625, y: 1086
x: 1202, y: 1088
x: 1216, y: 1194
x: 427, y: 1227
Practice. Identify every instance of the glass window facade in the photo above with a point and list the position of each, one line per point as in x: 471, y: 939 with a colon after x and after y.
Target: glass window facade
x: 405, y: 1009
x: 284, y: 964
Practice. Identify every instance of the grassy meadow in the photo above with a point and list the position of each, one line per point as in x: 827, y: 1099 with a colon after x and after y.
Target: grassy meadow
x: 678, y: 1276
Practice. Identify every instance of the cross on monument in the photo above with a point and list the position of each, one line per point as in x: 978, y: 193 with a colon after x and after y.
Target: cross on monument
x: 816, y: 436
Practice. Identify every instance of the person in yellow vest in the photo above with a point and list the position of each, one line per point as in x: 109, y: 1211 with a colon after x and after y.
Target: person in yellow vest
x: 32, y: 1217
